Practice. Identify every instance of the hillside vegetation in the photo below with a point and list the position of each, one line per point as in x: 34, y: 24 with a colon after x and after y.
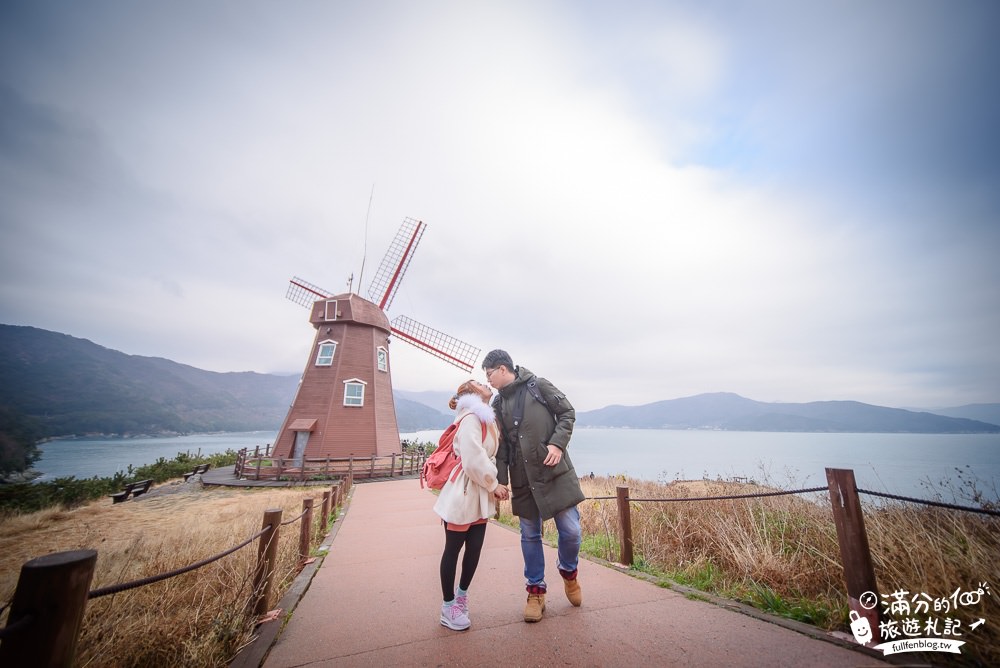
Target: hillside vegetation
x: 73, y: 386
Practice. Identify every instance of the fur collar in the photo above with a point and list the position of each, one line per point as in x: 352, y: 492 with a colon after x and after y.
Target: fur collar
x: 474, y: 404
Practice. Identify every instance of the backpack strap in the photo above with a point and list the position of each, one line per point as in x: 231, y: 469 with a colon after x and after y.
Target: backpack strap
x: 458, y: 467
x: 456, y: 432
x: 531, y: 388
x: 537, y: 394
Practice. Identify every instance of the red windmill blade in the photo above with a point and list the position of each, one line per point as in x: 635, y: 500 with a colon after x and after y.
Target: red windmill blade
x: 445, y: 347
x: 394, y: 264
x: 305, y: 293
x: 383, y: 290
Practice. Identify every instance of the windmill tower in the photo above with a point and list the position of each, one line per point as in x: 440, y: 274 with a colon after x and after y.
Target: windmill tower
x: 344, y: 404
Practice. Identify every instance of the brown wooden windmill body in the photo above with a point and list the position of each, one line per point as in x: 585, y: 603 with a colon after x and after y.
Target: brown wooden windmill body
x: 344, y: 404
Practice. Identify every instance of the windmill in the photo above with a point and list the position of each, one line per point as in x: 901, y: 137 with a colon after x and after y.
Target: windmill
x: 344, y: 404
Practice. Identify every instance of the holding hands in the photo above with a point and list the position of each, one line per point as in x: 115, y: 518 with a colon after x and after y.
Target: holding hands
x: 501, y: 493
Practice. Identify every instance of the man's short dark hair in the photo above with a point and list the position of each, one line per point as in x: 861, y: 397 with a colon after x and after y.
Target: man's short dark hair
x: 496, y: 358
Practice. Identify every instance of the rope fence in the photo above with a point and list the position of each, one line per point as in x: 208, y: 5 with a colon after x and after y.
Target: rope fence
x: 11, y: 629
x: 152, y: 579
x: 34, y: 635
x: 717, y: 498
x: 848, y: 518
x: 936, y: 504
x: 295, y: 519
x: 808, y: 490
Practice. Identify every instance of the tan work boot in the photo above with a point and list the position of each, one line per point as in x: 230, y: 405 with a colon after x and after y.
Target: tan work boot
x: 573, y: 592
x: 534, y: 608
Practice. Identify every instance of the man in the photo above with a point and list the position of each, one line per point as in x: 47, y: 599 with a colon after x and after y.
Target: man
x: 536, y: 422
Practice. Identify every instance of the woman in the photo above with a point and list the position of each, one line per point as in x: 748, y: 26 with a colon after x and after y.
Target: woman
x: 468, y: 499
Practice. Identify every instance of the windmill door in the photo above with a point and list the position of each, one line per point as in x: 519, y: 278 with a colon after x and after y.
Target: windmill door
x: 301, y: 439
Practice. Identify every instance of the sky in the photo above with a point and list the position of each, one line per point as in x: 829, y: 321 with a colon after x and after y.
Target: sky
x: 638, y: 200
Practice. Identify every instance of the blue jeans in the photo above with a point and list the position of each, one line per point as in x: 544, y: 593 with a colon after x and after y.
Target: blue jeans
x: 568, y: 526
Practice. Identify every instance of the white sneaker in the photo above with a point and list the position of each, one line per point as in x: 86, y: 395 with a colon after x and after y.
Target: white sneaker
x: 454, y: 617
x: 462, y: 602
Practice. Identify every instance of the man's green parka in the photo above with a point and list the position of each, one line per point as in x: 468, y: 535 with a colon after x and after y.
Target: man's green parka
x: 536, y: 488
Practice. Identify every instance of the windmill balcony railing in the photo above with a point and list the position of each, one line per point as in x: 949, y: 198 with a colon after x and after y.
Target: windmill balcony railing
x: 262, y: 467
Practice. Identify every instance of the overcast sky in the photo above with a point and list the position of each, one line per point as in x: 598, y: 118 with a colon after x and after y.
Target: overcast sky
x: 793, y: 201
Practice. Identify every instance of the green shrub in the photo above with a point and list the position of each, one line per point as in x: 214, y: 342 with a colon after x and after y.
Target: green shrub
x: 71, y: 491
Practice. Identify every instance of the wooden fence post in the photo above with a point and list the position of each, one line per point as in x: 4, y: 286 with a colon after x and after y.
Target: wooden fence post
x: 49, y: 603
x: 305, y: 531
x: 324, y: 517
x: 625, y: 521
x: 267, y: 548
x: 852, y: 537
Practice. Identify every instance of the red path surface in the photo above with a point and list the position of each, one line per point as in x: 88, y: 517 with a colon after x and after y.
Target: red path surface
x: 375, y: 601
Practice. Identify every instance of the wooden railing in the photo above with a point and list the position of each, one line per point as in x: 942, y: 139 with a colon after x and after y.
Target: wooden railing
x: 263, y: 467
x: 46, y: 613
x: 852, y: 537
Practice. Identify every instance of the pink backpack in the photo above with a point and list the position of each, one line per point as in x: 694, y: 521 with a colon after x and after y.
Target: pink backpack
x: 444, y: 462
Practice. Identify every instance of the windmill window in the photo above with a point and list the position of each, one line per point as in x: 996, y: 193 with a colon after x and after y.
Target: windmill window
x: 324, y: 356
x: 382, y: 355
x: 331, y: 310
x: 354, y: 392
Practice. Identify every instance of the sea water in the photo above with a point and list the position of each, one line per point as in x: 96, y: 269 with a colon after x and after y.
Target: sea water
x: 904, y: 464
x: 103, y: 457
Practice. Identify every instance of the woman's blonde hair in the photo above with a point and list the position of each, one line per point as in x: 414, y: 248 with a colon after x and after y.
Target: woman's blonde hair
x: 468, y: 387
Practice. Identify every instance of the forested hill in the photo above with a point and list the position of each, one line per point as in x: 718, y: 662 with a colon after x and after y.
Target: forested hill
x: 73, y: 386
x: 727, y: 411
x: 54, y: 384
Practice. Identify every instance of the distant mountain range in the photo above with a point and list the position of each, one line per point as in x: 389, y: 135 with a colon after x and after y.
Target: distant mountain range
x: 731, y: 412
x: 66, y: 385
x: 727, y: 411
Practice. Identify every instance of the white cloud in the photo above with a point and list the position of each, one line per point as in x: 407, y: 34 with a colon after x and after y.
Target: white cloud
x: 639, y: 205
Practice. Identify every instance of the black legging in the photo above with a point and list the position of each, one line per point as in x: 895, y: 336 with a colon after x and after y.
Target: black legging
x: 453, y: 541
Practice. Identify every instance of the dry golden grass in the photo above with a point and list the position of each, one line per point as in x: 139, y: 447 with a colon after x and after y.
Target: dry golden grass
x: 738, y: 544
x: 195, y: 619
x: 781, y: 552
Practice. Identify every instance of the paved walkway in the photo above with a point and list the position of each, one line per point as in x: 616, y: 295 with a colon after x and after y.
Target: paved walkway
x: 375, y: 601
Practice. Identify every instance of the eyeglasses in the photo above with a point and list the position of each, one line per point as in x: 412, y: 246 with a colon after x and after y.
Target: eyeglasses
x: 490, y: 372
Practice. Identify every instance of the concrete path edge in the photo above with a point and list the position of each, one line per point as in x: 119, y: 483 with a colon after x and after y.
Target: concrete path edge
x: 254, y: 654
